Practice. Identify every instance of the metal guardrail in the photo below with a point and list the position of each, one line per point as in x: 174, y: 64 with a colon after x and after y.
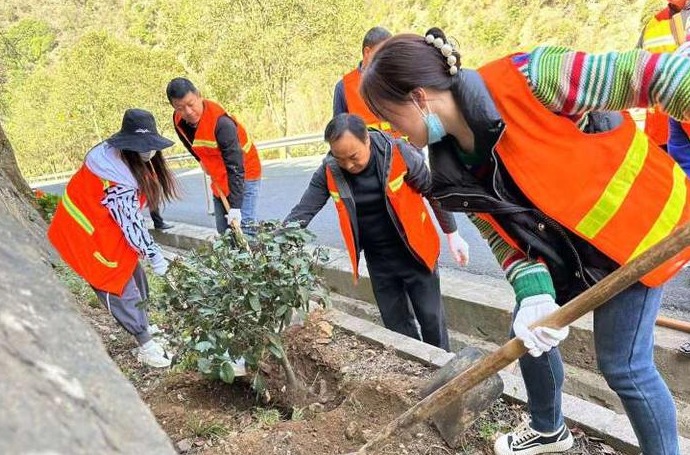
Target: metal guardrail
x: 271, y: 144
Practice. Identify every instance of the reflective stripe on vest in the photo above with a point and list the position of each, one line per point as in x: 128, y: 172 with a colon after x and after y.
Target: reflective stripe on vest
x: 76, y: 214
x: 88, y: 238
x: 201, y: 143
x: 383, y: 126
x: 662, y: 34
x: 409, y: 208
x: 345, y: 222
x: 621, y: 192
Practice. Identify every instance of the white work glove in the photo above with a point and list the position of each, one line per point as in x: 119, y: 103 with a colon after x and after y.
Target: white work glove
x: 233, y: 214
x: 159, y: 264
x: 539, y: 339
x: 458, y: 248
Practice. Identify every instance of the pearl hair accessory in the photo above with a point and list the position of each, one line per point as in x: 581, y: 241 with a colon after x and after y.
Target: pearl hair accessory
x: 446, y: 50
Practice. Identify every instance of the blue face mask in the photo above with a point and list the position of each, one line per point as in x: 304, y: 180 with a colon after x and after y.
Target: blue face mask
x: 434, y: 128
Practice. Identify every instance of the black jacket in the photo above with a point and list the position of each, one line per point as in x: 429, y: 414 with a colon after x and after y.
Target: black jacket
x: 418, y: 178
x: 574, y: 264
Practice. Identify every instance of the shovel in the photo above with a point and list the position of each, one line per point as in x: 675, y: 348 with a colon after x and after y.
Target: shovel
x: 484, y: 368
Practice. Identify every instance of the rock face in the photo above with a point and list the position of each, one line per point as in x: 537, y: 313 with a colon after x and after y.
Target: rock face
x: 60, y: 393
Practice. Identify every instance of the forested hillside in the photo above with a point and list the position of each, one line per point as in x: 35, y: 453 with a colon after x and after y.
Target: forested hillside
x: 69, y: 68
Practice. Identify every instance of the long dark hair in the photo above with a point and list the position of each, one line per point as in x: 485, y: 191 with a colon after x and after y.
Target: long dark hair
x: 153, y: 177
x: 402, y: 64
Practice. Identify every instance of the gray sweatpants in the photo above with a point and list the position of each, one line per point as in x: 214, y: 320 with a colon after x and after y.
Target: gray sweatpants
x: 124, y: 308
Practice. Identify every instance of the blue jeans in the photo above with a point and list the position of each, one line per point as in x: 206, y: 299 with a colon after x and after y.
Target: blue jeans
x: 250, y: 204
x: 248, y: 209
x: 624, y: 343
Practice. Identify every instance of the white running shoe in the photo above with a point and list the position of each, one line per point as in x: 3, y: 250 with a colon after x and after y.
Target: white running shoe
x: 153, y: 355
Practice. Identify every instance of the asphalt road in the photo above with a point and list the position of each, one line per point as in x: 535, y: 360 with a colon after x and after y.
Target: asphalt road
x: 282, y: 186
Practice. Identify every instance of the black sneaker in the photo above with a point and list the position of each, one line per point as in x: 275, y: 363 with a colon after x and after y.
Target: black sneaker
x: 163, y: 227
x: 526, y: 441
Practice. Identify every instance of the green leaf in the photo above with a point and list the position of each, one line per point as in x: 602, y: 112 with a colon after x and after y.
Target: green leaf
x: 203, y: 346
x: 227, y: 373
x: 276, y: 351
x: 287, y: 318
x: 258, y: 383
x: 254, y: 302
x: 281, y: 310
x: 204, y: 365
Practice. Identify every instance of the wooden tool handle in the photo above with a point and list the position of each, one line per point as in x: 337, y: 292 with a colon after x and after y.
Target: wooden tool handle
x: 223, y: 198
x: 595, y: 296
x: 234, y: 225
x: 675, y: 324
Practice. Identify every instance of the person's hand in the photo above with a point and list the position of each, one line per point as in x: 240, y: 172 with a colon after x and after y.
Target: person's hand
x: 159, y: 265
x: 458, y: 248
x: 234, y: 214
x: 539, y: 339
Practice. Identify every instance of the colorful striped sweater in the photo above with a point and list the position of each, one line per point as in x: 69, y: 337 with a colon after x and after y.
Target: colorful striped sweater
x: 571, y: 84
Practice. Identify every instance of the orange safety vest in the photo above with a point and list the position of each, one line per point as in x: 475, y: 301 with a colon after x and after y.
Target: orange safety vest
x: 356, y: 105
x: 408, y: 206
x: 663, y: 33
x: 88, y: 238
x: 206, y: 148
x: 616, y: 189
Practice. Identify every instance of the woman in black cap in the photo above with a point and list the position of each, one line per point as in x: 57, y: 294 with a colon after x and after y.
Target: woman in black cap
x: 99, y: 230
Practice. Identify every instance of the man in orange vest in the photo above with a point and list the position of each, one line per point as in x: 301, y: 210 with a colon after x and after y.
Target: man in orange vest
x: 664, y: 32
x: 377, y: 184
x: 223, y: 148
x: 346, y: 97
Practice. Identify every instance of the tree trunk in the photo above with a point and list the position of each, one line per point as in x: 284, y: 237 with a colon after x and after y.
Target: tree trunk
x: 8, y: 166
x: 15, y: 195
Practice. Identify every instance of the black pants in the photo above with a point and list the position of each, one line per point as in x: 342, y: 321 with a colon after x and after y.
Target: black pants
x: 157, y: 218
x: 404, y: 289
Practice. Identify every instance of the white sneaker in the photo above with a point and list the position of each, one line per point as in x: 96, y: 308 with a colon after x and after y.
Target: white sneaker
x: 153, y: 355
x: 524, y: 440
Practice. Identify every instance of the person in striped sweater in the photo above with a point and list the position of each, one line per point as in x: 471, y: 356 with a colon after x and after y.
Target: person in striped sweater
x: 564, y: 188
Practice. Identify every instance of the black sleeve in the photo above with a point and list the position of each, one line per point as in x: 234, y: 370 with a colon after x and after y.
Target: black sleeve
x: 186, y: 144
x: 339, y: 101
x: 314, y: 198
x: 233, y: 157
x: 419, y: 178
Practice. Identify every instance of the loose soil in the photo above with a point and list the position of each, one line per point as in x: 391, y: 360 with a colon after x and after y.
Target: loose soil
x: 358, y: 389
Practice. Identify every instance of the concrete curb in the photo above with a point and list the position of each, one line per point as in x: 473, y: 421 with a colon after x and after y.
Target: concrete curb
x: 480, y: 307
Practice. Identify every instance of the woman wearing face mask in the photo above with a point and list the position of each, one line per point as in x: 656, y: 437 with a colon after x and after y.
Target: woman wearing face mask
x: 377, y: 184
x: 99, y: 230
x: 561, y: 207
